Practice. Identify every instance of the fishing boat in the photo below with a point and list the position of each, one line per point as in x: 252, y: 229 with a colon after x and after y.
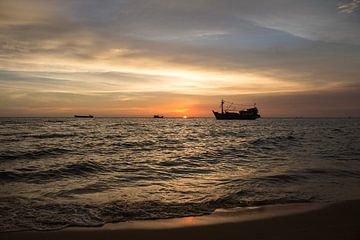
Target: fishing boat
x: 158, y: 116
x: 244, y: 114
x: 84, y: 116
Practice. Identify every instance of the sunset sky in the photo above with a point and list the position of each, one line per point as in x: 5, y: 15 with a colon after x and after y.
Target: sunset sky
x: 139, y: 58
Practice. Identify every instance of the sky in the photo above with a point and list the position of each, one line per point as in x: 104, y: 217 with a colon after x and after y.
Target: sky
x: 139, y: 58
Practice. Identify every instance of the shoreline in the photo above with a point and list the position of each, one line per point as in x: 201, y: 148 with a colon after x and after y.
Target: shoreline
x: 289, y: 221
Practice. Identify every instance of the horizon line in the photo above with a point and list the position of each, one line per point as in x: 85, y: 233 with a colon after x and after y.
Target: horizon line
x: 268, y: 117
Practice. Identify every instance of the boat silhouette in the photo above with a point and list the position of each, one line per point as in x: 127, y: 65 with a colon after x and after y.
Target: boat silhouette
x: 84, y: 116
x: 245, y: 114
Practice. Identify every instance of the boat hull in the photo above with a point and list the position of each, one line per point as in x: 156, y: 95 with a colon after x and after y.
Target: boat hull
x: 234, y: 116
x: 83, y: 116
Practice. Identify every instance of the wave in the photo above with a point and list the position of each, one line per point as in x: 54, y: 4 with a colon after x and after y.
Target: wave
x: 21, y: 136
x: 333, y: 172
x: 34, y: 154
x: 73, y: 170
x: 273, y: 140
x: 55, y: 121
x: 52, y: 135
x: 248, y: 198
x: 135, y: 144
x: 12, y: 122
x: 187, y: 171
x: 90, y: 188
x: 56, y: 216
x: 280, y: 178
x: 304, y: 175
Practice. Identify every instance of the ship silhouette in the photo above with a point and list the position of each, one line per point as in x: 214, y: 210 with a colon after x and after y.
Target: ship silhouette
x: 84, y: 116
x: 245, y: 114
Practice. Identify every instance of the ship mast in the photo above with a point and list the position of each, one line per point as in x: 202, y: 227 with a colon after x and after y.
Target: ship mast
x: 222, y: 106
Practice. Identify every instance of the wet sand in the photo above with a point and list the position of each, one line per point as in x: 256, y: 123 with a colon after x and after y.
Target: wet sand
x: 292, y: 221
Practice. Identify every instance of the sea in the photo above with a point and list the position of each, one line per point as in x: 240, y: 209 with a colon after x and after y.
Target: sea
x: 62, y: 172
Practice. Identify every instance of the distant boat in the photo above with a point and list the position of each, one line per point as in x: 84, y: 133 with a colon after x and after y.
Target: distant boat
x: 158, y: 116
x: 84, y: 116
x: 246, y: 114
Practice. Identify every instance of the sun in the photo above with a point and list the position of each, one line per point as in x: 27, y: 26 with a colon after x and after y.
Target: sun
x: 184, y: 117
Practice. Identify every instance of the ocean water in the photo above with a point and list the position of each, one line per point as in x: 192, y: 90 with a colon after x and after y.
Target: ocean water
x: 61, y: 172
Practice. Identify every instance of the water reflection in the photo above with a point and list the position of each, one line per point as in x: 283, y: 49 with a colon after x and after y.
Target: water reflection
x: 174, y: 166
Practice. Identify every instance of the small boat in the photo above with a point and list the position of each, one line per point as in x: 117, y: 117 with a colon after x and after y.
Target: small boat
x: 158, y: 116
x: 84, y: 116
x: 245, y: 114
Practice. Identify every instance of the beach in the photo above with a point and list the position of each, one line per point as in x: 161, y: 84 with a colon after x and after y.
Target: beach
x: 288, y: 221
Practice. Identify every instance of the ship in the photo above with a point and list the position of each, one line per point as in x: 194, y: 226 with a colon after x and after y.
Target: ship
x: 158, y: 116
x: 245, y: 114
x: 84, y: 116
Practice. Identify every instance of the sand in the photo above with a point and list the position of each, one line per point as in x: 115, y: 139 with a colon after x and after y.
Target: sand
x: 292, y: 221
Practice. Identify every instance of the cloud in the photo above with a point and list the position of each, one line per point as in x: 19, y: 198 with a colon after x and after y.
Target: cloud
x: 202, y: 48
x: 350, y: 7
x: 339, y: 103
